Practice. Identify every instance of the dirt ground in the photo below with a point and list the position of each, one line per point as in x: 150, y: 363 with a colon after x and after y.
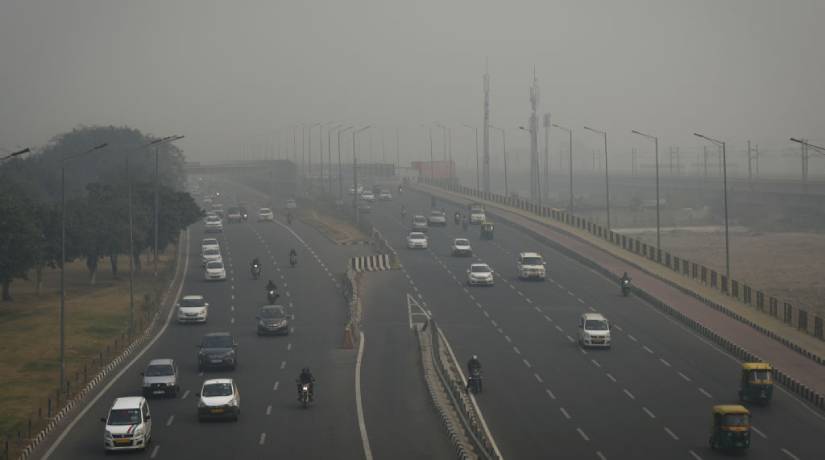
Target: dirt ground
x: 788, y: 266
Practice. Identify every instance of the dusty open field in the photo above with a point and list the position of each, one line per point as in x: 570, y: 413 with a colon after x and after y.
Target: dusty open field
x: 789, y: 266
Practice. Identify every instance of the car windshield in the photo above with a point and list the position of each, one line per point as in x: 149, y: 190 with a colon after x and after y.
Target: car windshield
x: 217, y: 389
x: 217, y: 341
x: 272, y: 313
x: 419, y: 219
x: 437, y: 214
x: 760, y: 375
x: 159, y: 370
x: 595, y: 325
x: 124, y: 417
x: 214, y: 265
x: 264, y: 211
x: 213, y: 219
x: 209, y: 242
x: 735, y: 420
x: 479, y: 269
x: 531, y: 261
x: 191, y: 302
x: 212, y: 252
x: 462, y: 243
x: 417, y: 236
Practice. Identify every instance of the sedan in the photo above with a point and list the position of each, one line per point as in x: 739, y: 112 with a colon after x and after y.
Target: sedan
x: 461, y: 247
x: 437, y: 218
x: 210, y: 243
x: 419, y: 223
x: 272, y: 319
x: 480, y: 275
x: 417, y: 240
x: 210, y: 255
x: 219, y: 398
x: 192, y: 309
x: 385, y: 195
x: 265, y: 215
x: 214, y: 271
x: 368, y: 196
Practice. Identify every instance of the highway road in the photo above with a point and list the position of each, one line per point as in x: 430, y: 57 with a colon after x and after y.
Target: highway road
x: 545, y: 397
x: 271, y: 423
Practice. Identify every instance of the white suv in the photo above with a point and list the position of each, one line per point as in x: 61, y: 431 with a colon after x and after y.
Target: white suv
x: 128, y: 425
x: 531, y: 266
x: 594, y: 330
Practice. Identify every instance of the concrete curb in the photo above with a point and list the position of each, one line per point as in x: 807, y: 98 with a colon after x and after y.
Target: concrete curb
x: 78, y: 399
x: 791, y: 384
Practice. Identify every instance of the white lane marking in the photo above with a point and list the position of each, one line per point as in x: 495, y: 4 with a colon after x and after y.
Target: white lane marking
x: 571, y: 293
x: 702, y: 390
x: 611, y: 377
x: 494, y: 323
x: 486, y: 314
x: 262, y: 439
x: 269, y: 409
x: 500, y: 331
x: 672, y: 434
x: 155, y: 451
x: 564, y: 412
x: 694, y: 455
x: 759, y: 432
x: 618, y: 328
x: 648, y: 412
x: 520, y: 293
x: 518, y: 352
x: 647, y: 349
x: 583, y: 435
x: 538, y: 377
x: 630, y: 336
x: 170, y: 420
x: 362, y: 426
x: 788, y: 453
x: 232, y: 308
x: 595, y: 363
x: 275, y: 387
x: 548, y: 318
x: 571, y: 339
x: 628, y: 393
x: 479, y: 305
x: 527, y: 363
x: 529, y: 300
x: 558, y: 328
x: 662, y: 360
x: 185, y: 394
x: 600, y: 455
x: 231, y: 320
x: 591, y: 309
x: 580, y: 299
x: 549, y: 393
x: 283, y: 364
x: 288, y: 346
x: 507, y: 338
x: 685, y: 377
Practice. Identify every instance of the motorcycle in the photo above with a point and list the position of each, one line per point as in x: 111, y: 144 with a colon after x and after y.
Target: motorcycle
x: 303, y: 394
x: 403, y: 213
x: 474, y: 383
x: 625, y: 287
x: 256, y: 271
x: 293, y: 260
x: 457, y: 218
x: 272, y: 296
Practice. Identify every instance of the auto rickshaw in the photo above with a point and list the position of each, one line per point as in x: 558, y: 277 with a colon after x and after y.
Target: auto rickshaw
x: 731, y: 428
x: 487, y: 230
x: 756, y: 383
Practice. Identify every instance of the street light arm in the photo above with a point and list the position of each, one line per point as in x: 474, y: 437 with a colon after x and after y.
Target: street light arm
x: 644, y: 135
x: 808, y: 144
x: 595, y: 130
x: 14, y: 154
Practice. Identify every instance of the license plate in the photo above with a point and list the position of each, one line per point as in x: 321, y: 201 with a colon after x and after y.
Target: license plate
x: 217, y: 411
x: 158, y: 392
x: 216, y: 361
x: 122, y: 441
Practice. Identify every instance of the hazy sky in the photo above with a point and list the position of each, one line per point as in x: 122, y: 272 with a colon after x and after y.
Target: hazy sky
x: 228, y: 74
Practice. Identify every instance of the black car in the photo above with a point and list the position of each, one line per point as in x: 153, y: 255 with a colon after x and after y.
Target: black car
x: 218, y: 350
x: 272, y: 319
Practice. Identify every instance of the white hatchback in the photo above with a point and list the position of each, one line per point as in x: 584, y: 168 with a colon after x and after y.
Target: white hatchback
x: 219, y: 398
x: 128, y: 424
x: 265, y: 215
x: 480, y: 275
x: 594, y: 330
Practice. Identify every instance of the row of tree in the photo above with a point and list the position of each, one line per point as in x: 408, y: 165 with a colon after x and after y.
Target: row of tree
x: 97, y: 203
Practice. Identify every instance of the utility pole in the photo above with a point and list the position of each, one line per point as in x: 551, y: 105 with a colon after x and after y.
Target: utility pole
x: 570, y: 164
x: 633, y: 161
x: 546, y: 182
x: 606, y: 177
x: 705, y: 154
x: 486, y: 137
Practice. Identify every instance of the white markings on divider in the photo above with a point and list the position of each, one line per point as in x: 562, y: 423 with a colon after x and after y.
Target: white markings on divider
x: 362, y: 426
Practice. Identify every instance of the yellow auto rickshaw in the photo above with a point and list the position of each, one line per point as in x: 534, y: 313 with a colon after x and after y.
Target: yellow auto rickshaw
x: 486, y: 230
x: 731, y: 428
x: 756, y: 383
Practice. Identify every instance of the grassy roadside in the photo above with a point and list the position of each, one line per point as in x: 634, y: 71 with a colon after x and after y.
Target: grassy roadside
x: 337, y: 230
x: 97, y: 319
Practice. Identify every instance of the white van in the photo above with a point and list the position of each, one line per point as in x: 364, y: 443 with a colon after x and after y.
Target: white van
x: 128, y: 425
x: 594, y: 330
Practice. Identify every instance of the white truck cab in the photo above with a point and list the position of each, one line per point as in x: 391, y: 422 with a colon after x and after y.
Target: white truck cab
x: 531, y: 265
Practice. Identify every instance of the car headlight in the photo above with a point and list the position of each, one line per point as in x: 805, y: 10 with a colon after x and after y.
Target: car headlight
x: 138, y: 432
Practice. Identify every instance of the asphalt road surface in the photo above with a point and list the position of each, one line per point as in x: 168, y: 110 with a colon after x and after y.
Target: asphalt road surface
x: 545, y: 397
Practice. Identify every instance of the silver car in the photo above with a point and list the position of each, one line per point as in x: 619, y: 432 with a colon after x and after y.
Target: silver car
x: 160, y: 378
x: 480, y: 275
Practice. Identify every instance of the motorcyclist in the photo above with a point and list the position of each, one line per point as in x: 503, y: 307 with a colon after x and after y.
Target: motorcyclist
x: 271, y: 291
x: 293, y: 257
x: 306, y: 378
x: 464, y: 224
x: 289, y: 218
x: 255, y: 266
x: 403, y: 211
x: 473, y: 368
x: 457, y: 217
x: 625, y: 279
x: 400, y: 191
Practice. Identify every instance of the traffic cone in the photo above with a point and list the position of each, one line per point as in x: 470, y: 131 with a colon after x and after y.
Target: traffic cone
x: 348, y: 339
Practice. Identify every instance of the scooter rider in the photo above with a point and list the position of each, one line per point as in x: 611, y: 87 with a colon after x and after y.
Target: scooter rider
x: 625, y: 280
x: 403, y: 211
x: 293, y: 257
x: 255, y: 266
x: 272, y: 291
x: 306, y: 378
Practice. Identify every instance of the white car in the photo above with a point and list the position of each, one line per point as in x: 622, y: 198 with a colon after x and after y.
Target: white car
x: 480, y: 275
x: 437, y: 218
x: 291, y: 204
x: 461, y: 247
x: 385, y: 195
x: 214, y: 224
x: 128, y: 424
x: 214, y: 271
x: 368, y: 196
x: 594, y: 330
x: 219, y: 398
x: 419, y: 223
x: 477, y: 215
x: 192, y: 309
x: 209, y: 255
x: 417, y: 240
x: 265, y: 215
x: 531, y: 265
x: 210, y: 243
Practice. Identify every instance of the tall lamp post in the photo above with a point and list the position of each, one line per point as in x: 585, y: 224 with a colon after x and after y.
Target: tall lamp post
x: 504, y: 148
x: 355, y: 172
x: 62, y: 313
x: 538, y: 176
x: 570, y: 164
x: 329, y: 157
x: 658, y: 224
x: 721, y: 144
x: 156, y: 143
x: 606, y: 180
x: 430, y: 135
x: 478, y: 174
x: 14, y: 154
x: 340, y: 164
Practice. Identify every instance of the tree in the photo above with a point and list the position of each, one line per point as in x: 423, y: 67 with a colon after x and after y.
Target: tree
x: 20, y: 239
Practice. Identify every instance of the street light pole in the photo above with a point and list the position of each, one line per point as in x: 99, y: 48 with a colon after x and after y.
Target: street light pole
x: 721, y: 144
x: 658, y: 225
x: 63, y: 259
x: 478, y: 174
x: 355, y: 172
x: 157, y: 143
x: 504, y: 148
x: 538, y: 177
x: 570, y: 165
x: 329, y: 158
x: 606, y: 177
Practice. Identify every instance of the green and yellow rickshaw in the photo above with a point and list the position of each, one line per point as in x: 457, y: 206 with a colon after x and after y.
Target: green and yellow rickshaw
x: 731, y: 428
x: 486, y: 230
x: 756, y: 383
